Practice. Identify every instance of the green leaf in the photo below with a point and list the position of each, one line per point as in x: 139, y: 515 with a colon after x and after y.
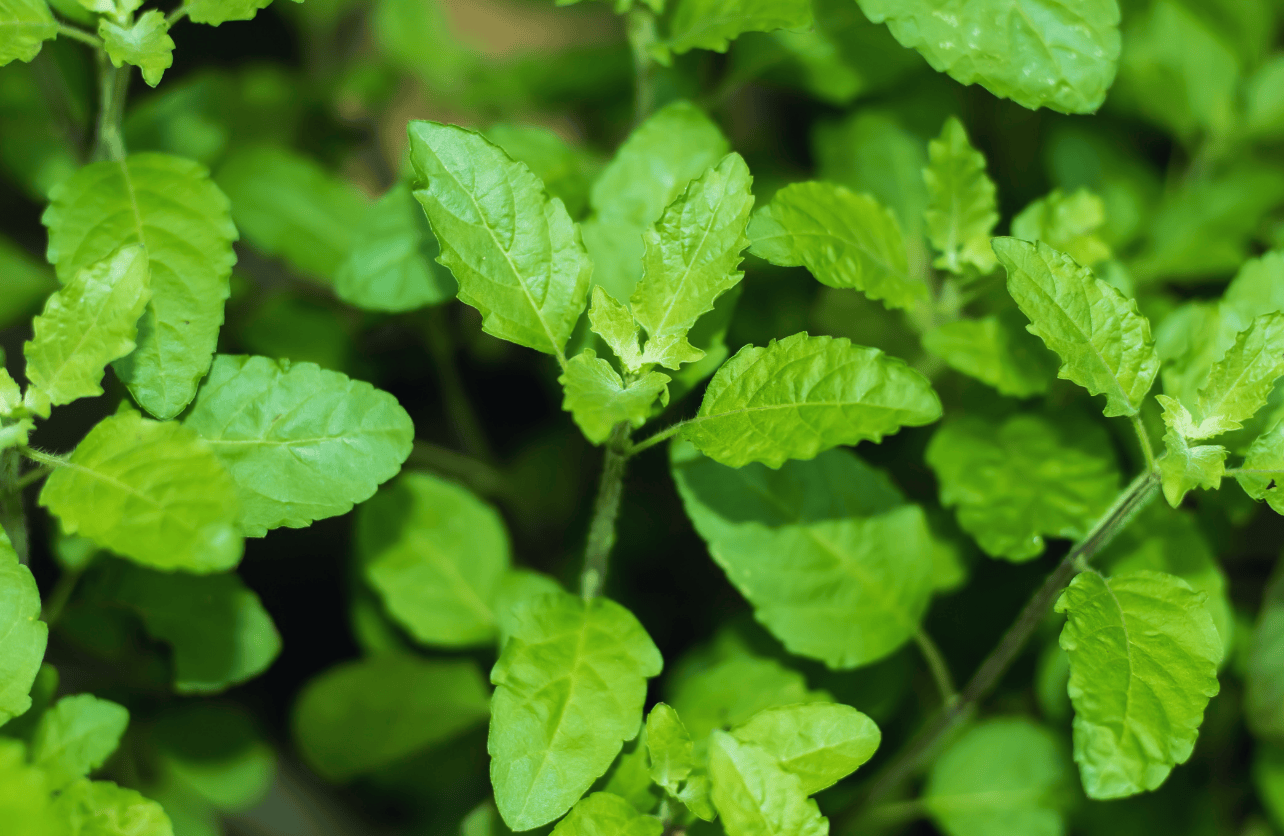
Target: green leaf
x: 390, y: 266
x: 301, y: 443
x: 152, y: 492
x: 1264, y: 678
x: 1104, y: 343
x: 288, y: 206
x: 1268, y: 776
x: 219, y: 631
x: 216, y: 12
x: 1067, y: 223
x: 755, y: 796
x: 360, y: 716
x: 10, y: 394
x: 846, y: 240
x: 604, y: 814
x: 566, y: 171
x: 101, y: 808
x: 515, y: 252
x: 1241, y: 382
x: 820, y: 742
x: 170, y: 206
x: 613, y: 322
x: 961, y: 209
x: 690, y: 259
x: 1143, y: 665
x: 437, y: 556
x: 23, y: 635
x: 1003, y: 777
x: 669, y: 746
x: 802, y: 395
x: 1183, y: 467
x: 517, y: 588
x: 1039, y: 53
x: 858, y: 576
x: 76, y: 736
x: 732, y: 690
x: 1015, y: 483
x: 26, y: 282
x: 145, y: 44
x: 630, y: 776
x: 1263, y: 470
x: 90, y: 322
x: 569, y: 666
x: 598, y: 398
x: 713, y: 24
x: 214, y: 750
x: 995, y: 350
x: 24, y: 26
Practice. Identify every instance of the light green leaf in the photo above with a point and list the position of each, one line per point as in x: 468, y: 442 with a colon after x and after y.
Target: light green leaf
x: 1183, y: 467
x: 10, y: 394
x: 517, y: 588
x: 1039, y: 53
x: 604, y: 814
x: 151, y: 492
x: 24, y: 26
x: 1003, y: 777
x: 690, y: 259
x: 1263, y: 470
x: 145, y: 44
x: 713, y: 24
x: 390, y: 266
x: 360, y: 716
x: 213, y: 749
x: 302, y: 443
x: 170, y: 206
x: 695, y: 795
x: 801, y: 395
x: 755, y: 796
x: 1241, y: 382
x: 216, y: 12
x: 566, y: 171
x: 835, y: 563
x: 219, y: 631
x: 23, y: 635
x: 101, y: 808
x: 613, y: 322
x: 287, y: 205
x: 995, y: 350
x: 845, y: 239
x: 598, y: 399
x: 1104, y: 343
x: 732, y: 690
x: 76, y: 736
x: 515, y: 252
x: 961, y: 209
x: 1143, y: 665
x: 669, y: 746
x: 25, y: 794
x: 1264, y: 678
x: 1015, y: 483
x: 90, y: 322
x: 820, y: 742
x: 570, y: 666
x: 437, y: 556
x: 630, y: 776
x: 1067, y: 223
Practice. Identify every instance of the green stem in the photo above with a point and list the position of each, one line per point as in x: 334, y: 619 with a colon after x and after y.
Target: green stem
x: 459, y: 409
x: 113, y: 86
x: 175, y: 16
x: 57, y: 599
x: 641, y: 32
x: 936, y: 664
x: 483, y: 478
x: 13, y: 516
x: 1143, y: 439
x: 1249, y: 471
x: 659, y: 438
x: 601, y: 536
x: 31, y: 477
x: 78, y: 34
x: 47, y: 459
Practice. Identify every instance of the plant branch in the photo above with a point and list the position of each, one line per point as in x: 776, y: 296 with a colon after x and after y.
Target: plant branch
x: 1250, y: 471
x: 1143, y: 439
x: 113, y: 86
x: 641, y: 32
x: 13, y: 516
x: 1130, y: 501
x: 601, y: 536
x: 175, y: 16
x: 57, y: 599
x: 936, y: 664
x: 47, y: 459
x: 658, y: 438
x: 78, y: 34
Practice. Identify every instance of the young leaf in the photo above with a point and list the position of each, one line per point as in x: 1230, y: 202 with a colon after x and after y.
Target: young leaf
x: 170, y: 206
x: 1039, y: 53
x: 26, y: 803
x: 1002, y: 777
x: 820, y: 742
x: 359, y: 716
x: 996, y: 351
x: 1183, y: 467
x: 101, y: 808
x: 90, y: 322
x: 834, y: 562
x: 145, y: 44
x: 614, y: 323
x: 1143, y: 665
x: 300, y: 442
x: 10, y: 394
x: 216, y: 12
x: 845, y: 239
x: 1241, y: 382
x: 961, y: 209
x: 802, y: 395
x: 605, y: 814
x: 569, y: 687
x: 516, y: 254
x: 713, y: 24
x: 1263, y: 468
x: 1028, y: 477
x: 1104, y: 343
x: 76, y: 736
x: 598, y: 399
x: 24, y: 26
x: 390, y: 266
x: 755, y: 796
x: 730, y: 691
x: 151, y: 492
x: 23, y: 635
x: 690, y: 259
x: 1264, y: 677
x: 630, y: 776
x: 668, y: 744
x: 1067, y: 223
x: 437, y: 556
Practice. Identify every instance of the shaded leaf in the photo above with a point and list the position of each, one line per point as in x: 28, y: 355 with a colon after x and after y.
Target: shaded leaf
x: 604, y: 814
x: 755, y: 796
x: 1067, y: 223
x: 996, y: 351
x: 1264, y: 678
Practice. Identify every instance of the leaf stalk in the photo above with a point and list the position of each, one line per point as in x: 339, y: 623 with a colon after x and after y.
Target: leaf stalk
x: 113, y: 87
x: 601, y: 536
x: 13, y: 515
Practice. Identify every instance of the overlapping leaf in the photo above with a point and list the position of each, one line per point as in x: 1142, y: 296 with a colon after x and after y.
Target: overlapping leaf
x: 605, y: 814
x: 23, y: 635
x: 76, y: 736
x: 1068, y: 223
x: 215, y: 12
x: 598, y: 398
x: 669, y: 747
x: 961, y: 209
x: 101, y: 808
x: 614, y: 323
x: 996, y: 351
x: 755, y: 796
x: 713, y: 24
x: 820, y: 742
x: 24, y: 26
x: 1263, y: 470
x: 145, y: 43
x: 1185, y: 467
x: 1264, y: 677
x: 1240, y: 383
x: 730, y: 691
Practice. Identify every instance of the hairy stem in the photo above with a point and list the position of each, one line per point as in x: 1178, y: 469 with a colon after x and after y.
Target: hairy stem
x: 78, y: 34
x: 659, y: 438
x: 459, y: 409
x: 936, y: 664
x: 601, y: 536
x: 113, y: 86
x: 1143, y: 439
x: 641, y: 30
x: 13, y: 516
x: 1132, y: 500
